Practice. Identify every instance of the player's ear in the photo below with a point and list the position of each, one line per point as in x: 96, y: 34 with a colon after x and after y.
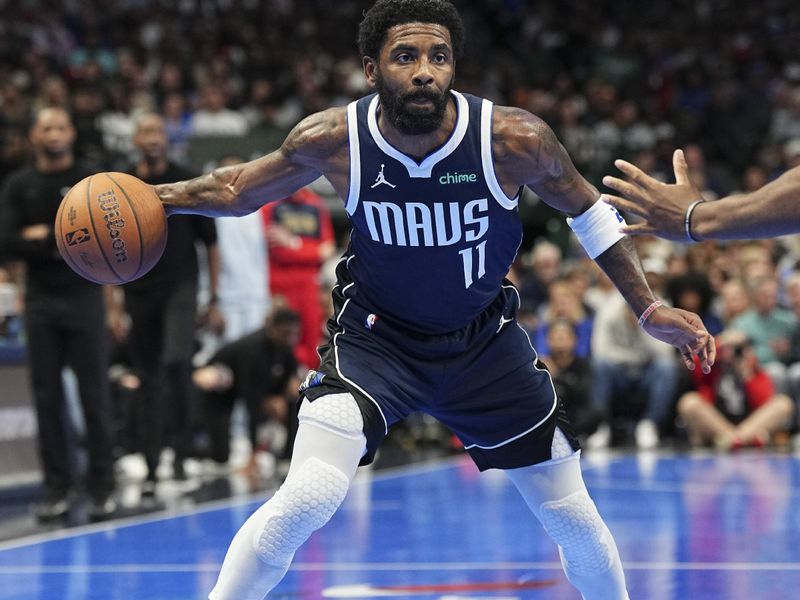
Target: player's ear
x: 370, y: 69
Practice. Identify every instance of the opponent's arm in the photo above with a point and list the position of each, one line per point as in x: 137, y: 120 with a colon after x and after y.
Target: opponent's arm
x: 528, y: 153
x: 767, y: 212
x: 307, y: 153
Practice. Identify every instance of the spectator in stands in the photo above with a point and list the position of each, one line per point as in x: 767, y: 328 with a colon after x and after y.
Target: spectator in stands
x: 736, y: 404
x: 545, y: 267
x: 259, y: 369
x: 768, y: 327
x: 214, y: 118
x: 626, y: 362
x: 735, y: 300
x: 163, y: 308
x: 572, y: 377
x: 300, y: 237
x: 243, y: 296
x: 692, y: 292
x: 565, y: 304
x: 64, y: 316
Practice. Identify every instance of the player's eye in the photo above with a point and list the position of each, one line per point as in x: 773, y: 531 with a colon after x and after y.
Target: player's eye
x: 440, y: 58
x: 404, y: 57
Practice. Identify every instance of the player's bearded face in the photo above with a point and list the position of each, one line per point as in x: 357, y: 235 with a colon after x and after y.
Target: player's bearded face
x: 404, y: 111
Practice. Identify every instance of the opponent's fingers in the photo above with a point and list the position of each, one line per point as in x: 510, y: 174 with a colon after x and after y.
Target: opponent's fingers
x: 623, y: 204
x: 637, y: 229
x: 681, y: 168
x: 626, y: 188
x: 634, y: 173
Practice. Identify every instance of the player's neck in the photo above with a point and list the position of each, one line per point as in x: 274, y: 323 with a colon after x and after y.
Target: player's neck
x: 419, y: 146
x: 54, y: 164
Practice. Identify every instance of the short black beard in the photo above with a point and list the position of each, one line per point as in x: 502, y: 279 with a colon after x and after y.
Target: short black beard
x: 408, y: 123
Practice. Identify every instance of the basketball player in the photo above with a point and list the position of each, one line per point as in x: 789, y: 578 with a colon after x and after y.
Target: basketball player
x: 424, y: 320
x: 678, y: 212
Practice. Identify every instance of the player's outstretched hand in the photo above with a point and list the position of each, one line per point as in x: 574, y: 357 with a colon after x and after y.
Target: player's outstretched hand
x: 661, y: 206
x: 685, y: 331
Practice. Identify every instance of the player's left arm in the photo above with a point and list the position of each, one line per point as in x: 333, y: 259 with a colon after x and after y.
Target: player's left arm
x: 527, y: 152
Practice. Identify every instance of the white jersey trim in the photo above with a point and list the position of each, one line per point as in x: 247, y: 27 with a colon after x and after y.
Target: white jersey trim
x: 355, y: 159
x: 423, y: 169
x: 488, y: 162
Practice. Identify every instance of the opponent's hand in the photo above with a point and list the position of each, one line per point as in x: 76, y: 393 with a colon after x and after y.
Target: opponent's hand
x: 661, y: 206
x: 685, y: 331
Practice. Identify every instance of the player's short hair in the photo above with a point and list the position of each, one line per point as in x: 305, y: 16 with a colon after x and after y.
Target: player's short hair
x: 385, y: 14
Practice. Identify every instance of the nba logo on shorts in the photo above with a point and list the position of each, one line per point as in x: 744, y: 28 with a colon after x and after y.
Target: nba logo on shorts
x: 370, y: 322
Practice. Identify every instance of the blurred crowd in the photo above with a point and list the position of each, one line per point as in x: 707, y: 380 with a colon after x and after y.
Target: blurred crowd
x: 141, y: 81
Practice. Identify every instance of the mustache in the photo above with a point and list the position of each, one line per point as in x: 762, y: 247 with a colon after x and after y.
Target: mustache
x: 421, y: 95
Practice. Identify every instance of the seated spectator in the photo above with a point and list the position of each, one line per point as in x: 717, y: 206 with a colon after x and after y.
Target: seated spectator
x: 734, y: 300
x: 626, y: 362
x: 768, y: 327
x: 735, y: 405
x: 572, y: 377
x: 214, y: 118
x: 564, y: 303
x: 692, y: 292
x: 259, y: 369
x: 545, y: 267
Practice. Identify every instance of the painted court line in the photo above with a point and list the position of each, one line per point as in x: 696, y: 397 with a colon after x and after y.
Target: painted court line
x: 223, y: 504
x: 389, y: 567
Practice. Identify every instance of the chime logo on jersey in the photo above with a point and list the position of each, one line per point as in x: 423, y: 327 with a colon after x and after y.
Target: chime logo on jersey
x: 370, y: 321
x: 434, y: 224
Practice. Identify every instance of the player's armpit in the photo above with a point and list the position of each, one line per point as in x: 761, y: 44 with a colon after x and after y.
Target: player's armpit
x: 527, y: 152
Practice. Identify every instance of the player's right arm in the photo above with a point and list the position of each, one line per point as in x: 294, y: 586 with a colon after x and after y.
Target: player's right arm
x: 770, y: 211
x: 316, y: 146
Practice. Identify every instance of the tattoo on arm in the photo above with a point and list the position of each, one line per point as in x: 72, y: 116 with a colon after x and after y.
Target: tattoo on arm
x: 529, y: 153
x: 621, y: 264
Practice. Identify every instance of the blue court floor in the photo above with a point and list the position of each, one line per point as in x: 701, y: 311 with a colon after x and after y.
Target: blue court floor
x: 688, y: 527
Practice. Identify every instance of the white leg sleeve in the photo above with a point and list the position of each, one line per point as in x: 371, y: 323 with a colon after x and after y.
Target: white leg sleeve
x: 329, y: 444
x: 555, y: 492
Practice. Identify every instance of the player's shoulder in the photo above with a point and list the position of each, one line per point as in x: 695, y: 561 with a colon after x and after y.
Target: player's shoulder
x: 518, y: 133
x: 319, y: 136
x: 512, y: 123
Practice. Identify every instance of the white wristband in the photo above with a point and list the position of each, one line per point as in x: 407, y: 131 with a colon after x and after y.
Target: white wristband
x: 597, y: 229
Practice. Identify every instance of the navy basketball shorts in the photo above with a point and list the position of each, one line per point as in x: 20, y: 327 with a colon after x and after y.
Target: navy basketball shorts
x: 483, y: 382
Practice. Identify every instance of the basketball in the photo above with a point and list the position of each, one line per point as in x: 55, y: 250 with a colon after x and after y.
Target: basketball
x: 111, y: 228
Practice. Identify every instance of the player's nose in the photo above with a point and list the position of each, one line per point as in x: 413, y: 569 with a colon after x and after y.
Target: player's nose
x: 423, y: 75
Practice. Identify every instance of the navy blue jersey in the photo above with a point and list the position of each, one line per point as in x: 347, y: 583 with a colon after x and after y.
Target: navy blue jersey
x: 431, y: 241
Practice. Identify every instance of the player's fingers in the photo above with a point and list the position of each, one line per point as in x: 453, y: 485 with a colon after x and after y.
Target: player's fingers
x: 626, y: 188
x: 688, y: 358
x: 622, y: 204
x: 634, y: 173
x: 681, y: 168
x: 712, y: 353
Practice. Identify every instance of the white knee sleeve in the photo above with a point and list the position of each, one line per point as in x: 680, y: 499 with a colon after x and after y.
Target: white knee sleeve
x: 575, y: 525
x: 327, y: 450
x: 301, y: 506
x: 338, y: 413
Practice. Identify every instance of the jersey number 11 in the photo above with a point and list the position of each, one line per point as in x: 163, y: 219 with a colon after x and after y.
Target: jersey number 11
x: 466, y: 257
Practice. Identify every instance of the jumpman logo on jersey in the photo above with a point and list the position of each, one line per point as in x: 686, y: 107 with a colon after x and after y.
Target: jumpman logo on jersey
x: 381, y: 179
